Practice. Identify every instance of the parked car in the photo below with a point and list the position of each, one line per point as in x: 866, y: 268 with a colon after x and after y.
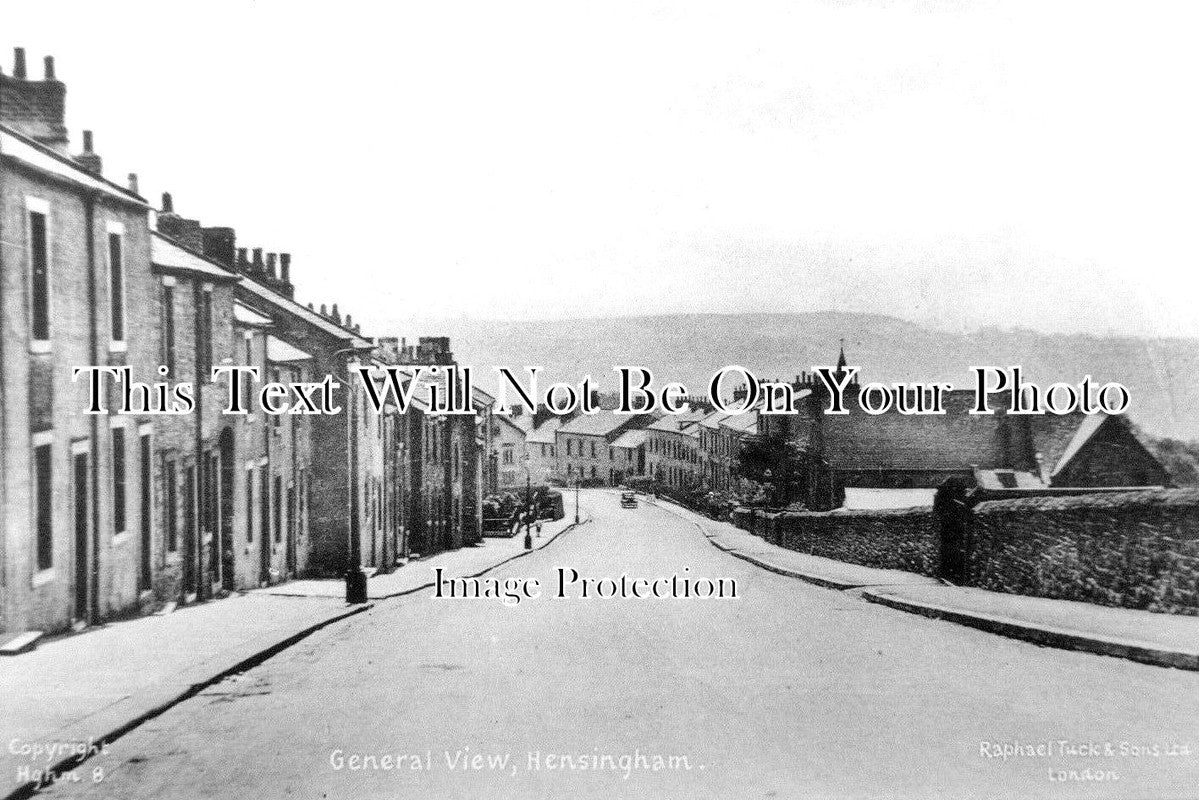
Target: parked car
x: 628, y: 499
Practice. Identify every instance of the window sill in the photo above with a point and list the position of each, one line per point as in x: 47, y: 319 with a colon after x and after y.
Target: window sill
x: 43, y: 577
x: 120, y: 538
x: 40, y: 346
x: 118, y: 347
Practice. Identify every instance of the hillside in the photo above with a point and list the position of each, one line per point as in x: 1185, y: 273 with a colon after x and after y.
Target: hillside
x: 1160, y: 373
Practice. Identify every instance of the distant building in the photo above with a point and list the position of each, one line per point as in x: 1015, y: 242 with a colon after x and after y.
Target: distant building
x: 584, y: 446
x: 672, y: 450
x: 511, y: 450
x: 1010, y: 451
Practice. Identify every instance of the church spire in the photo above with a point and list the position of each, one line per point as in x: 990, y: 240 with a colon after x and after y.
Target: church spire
x: 841, y: 362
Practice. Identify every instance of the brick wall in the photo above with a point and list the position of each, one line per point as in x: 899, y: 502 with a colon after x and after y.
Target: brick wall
x: 1129, y: 549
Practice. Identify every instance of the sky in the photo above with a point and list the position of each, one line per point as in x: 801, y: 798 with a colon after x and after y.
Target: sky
x: 959, y: 164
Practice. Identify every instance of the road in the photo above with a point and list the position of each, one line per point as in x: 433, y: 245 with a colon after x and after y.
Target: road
x: 788, y: 690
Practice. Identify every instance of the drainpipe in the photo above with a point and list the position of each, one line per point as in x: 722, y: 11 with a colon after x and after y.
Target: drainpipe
x: 198, y: 518
x: 89, y: 217
x: 5, y: 600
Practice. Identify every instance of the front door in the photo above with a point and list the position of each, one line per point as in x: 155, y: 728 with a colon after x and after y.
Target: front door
x: 80, y: 479
x: 147, y: 510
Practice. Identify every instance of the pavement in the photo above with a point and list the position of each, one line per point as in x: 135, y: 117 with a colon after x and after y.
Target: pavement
x: 85, y: 689
x: 1166, y: 640
x: 419, y: 574
x: 787, y: 690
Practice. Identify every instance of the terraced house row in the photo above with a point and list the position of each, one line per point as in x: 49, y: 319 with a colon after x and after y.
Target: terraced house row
x: 109, y: 514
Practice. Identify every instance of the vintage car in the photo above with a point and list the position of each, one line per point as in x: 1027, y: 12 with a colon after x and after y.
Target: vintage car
x: 628, y: 499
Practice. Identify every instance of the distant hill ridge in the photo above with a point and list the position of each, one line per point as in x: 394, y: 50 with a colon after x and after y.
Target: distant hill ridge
x: 1161, y: 374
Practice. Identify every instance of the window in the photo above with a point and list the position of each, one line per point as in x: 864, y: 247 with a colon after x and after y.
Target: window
x: 593, y: 456
x: 43, y: 508
x: 593, y: 471
x: 204, y: 332
x: 568, y: 447
x: 508, y: 456
x: 264, y: 507
x: 247, y: 387
x: 168, y: 325
x: 611, y: 454
x: 278, y: 498
x: 145, y: 484
x: 116, y: 281
x: 249, y: 505
x: 172, y: 498
x: 119, y: 511
x: 543, y: 450
x: 39, y: 270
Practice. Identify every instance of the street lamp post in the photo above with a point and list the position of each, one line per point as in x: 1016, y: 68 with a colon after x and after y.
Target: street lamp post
x: 576, y: 501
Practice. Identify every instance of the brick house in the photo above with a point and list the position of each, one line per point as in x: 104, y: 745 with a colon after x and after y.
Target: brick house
x: 74, y: 278
x: 672, y: 449
x: 331, y: 495
x: 511, y: 450
x: 584, y: 446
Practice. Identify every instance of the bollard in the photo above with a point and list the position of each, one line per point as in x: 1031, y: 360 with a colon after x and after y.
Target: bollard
x: 355, y: 585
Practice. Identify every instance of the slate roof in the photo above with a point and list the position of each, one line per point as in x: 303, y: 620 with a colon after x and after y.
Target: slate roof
x: 280, y: 351
x: 603, y: 423
x: 955, y: 440
x: 545, y: 432
x: 21, y: 148
x: 170, y: 256
x: 247, y: 316
x: 632, y: 439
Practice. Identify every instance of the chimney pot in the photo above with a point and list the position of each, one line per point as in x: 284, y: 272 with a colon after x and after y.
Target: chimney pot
x: 270, y: 264
x: 49, y: 61
x: 168, y: 203
x: 324, y: 310
x: 257, y: 251
x: 349, y: 320
x: 133, y: 182
x: 241, y: 256
x: 285, y: 267
x: 310, y: 308
x: 18, y: 63
x: 88, y: 143
x: 336, y: 314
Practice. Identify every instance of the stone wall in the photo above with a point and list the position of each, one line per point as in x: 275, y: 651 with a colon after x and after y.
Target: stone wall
x: 891, y: 539
x: 1132, y: 549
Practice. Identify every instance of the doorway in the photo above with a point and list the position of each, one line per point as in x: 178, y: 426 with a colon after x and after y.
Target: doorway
x: 80, y: 479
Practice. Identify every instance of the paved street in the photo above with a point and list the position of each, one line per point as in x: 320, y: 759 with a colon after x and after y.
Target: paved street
x: 789, y: 690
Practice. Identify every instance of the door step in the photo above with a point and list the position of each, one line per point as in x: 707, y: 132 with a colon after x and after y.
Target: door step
x: 21, y: 643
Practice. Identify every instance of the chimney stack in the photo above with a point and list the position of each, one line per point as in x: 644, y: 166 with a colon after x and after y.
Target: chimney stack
x: 349, y: 320
x: 257, y: 261
x: 35, y: 108
x: 133, y: 182
x: 88, y: 158
x: 242, y: 262
x: 188, y: 232
x: 336, y: 315
x: 324, y: 310
x: 219, y: 244
x: 270, y: 265
x: 285, y: 268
